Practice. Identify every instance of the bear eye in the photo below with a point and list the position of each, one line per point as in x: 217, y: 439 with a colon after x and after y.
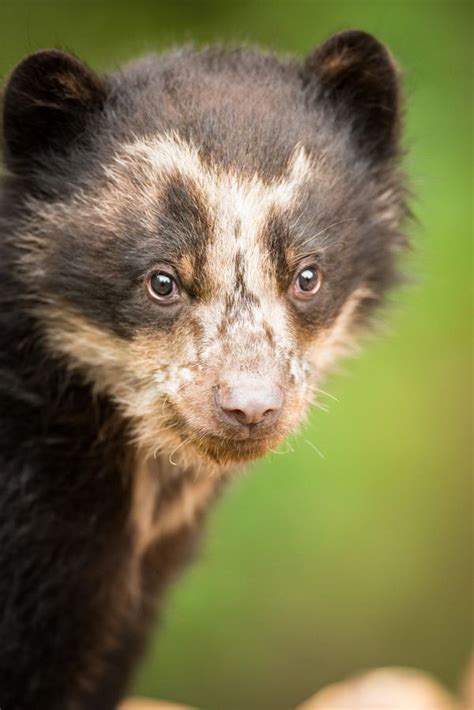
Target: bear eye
x: 308, y: 282
x: 162, y: 287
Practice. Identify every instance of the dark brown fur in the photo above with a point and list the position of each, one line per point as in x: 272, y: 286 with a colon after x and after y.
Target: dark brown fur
x: 230, y: 170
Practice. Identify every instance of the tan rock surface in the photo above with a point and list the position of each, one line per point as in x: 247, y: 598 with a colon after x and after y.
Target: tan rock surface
x: 384, y: 689
x: 142, y: 704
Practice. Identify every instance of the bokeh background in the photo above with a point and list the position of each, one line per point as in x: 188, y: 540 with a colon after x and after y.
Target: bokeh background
x: 317, y: 567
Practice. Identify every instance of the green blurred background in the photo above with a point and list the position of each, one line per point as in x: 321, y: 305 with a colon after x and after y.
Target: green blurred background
x: 317, y: 567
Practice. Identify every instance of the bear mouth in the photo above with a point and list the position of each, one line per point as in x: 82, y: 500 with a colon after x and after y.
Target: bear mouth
x: 223, y: 447
x: 227, y: 450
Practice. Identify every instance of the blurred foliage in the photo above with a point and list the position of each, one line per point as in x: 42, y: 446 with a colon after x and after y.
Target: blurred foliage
x: 317, y: 567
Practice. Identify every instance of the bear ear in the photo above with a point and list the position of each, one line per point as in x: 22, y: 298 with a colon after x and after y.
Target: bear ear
x: 354, y: 73
x: 47, y: 101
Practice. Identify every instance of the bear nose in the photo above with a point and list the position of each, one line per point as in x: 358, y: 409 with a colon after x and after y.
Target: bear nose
x: 244, y: 401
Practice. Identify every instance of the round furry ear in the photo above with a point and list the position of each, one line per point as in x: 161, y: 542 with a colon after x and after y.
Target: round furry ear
x: 355, y: 75
x: 47, y: 102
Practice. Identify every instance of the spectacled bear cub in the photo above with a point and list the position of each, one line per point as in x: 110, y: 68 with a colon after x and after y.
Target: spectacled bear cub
x: 186, y: 245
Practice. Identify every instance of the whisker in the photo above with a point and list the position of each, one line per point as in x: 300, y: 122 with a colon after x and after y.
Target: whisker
x: 289, y: 450
x: 158, y: 447
x: 326, y: 229
x: 313, y: 446
x: 165, y: 402
x: 170, y: 457
x: 327, y: 394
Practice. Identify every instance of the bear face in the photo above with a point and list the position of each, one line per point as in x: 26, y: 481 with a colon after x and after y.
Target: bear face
x: 202, y: 234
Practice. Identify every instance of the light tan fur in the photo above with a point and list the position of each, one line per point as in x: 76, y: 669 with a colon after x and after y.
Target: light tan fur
x: 338, y: 340
x: 163, y: 386
x: 182, y: 511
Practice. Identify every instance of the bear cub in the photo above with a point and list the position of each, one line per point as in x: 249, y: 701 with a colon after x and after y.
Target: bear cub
x: 186, y: 246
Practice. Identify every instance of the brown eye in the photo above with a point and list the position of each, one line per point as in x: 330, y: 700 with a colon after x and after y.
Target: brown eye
x: 162, y: 286
x: 308, y: 282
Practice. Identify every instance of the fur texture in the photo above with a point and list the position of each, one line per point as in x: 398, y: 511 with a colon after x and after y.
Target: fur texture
x: 231, y: 171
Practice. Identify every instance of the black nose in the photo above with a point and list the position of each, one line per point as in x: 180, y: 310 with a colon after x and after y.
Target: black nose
x: 245, y: 401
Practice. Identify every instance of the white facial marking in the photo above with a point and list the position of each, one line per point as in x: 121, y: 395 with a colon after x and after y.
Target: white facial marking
x: 240, y: 207
x: 244, y: 323
x: 240, y: 204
